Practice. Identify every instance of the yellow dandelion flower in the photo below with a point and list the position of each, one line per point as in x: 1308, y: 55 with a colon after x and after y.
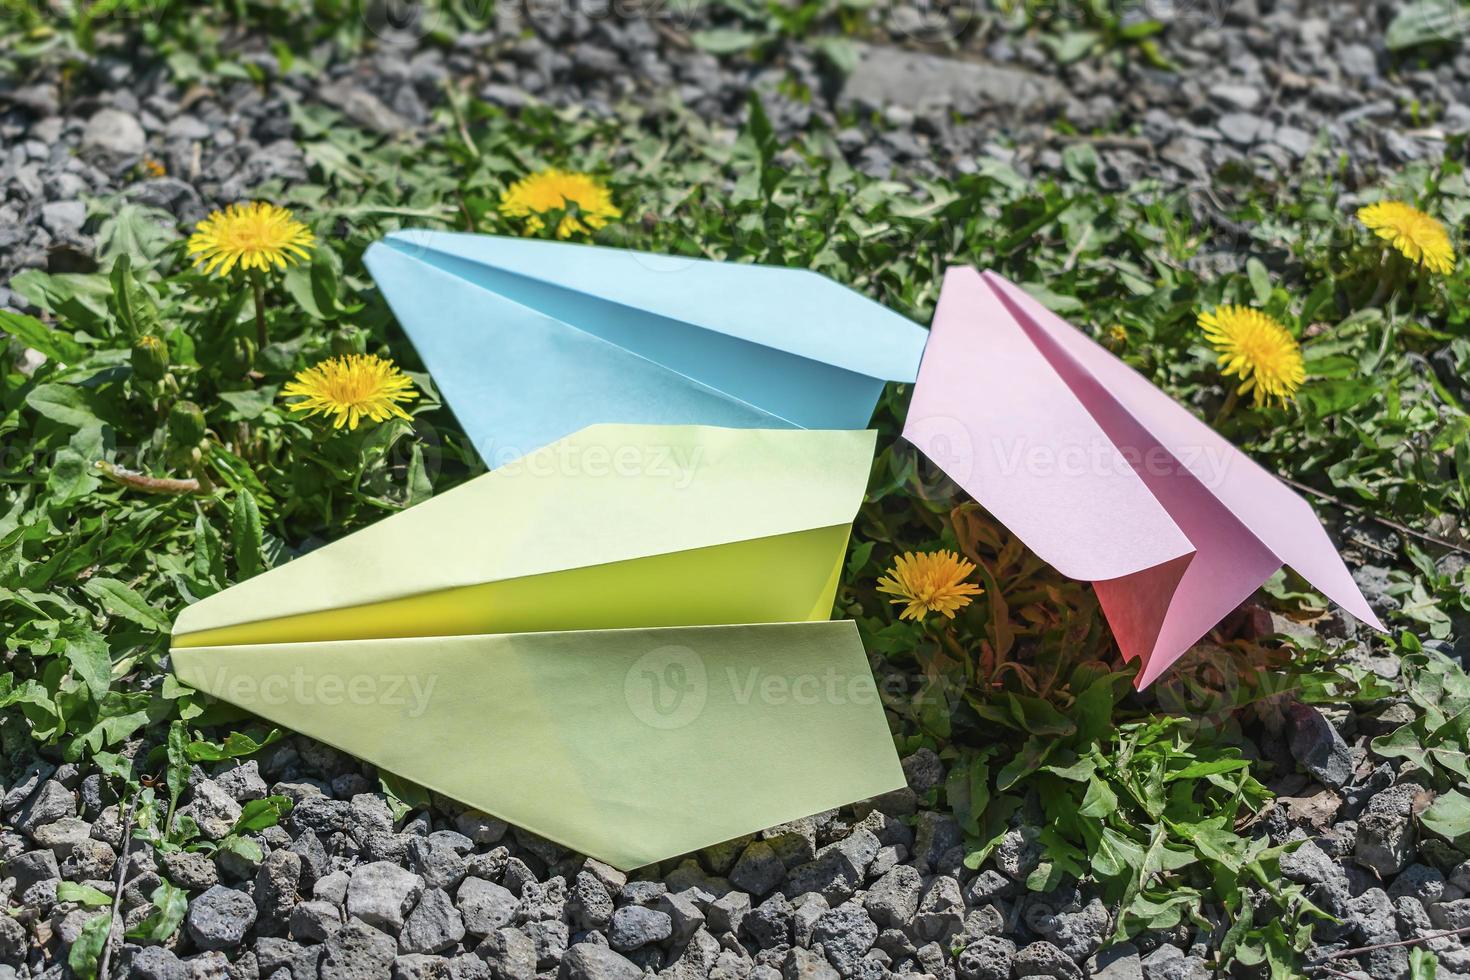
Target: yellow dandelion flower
x: 559, y: 190
x: 1257, y: 349
x: 351, y: 388
x: 1418, y: 237
x: 251, y: 236
x: 929, y: 582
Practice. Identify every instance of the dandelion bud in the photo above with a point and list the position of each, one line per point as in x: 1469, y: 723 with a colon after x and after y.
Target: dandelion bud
x: 150, y: 358
x: 185, y: 423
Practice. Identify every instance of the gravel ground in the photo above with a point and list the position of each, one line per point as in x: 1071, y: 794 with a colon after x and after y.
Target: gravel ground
x: 345, y: 892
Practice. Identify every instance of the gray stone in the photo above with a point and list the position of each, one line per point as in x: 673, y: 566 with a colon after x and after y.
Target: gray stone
x: 759, y: 869
x: 357, y: 951
x: 1080, y: 932
x: 1451, y: 915
x: 332, y: 887
x: 612, y: 879
x: 275, y: 891
x: 1117, y: 962
x: 726, y: 913
x: 1241, y: 97
x: 213, y: 965
x: 480, y: 827
x: 26, y: 783
x: 1043, y: 959
x: 156, y: 963
x: 921, y: 82
x: 1297, y: 142
x: 1018, y: 854
x: 803, y: 964
x: 685, y: 911
x: 510, y: 955
x: 381, y: 894
x: 51, y: 803
x: 1358, y: 61
x: 13, y: 940
x: 62, y: 835
x: 589, y: 903
x: 64, y: 219
x: 894, y: 898
x: 440, y: 864
x: 769, y: 924
x: 485, y: 905
x: 219, y: 918
x: 941, y: 910
x: 213, y: 809
x: 589, y: 961
x: 1171, y: 963
x: 1241, y: 128
x: 1385, y: 841
x: 806, y: 910
x: 189, y: 869
x: 363, y: 108
x: 987, y: 958
x: 314, y: 921
x: 634, y: 926
x: 846, y: 933
x: 433, y: 926
x: 88, y: 860
x: 838, y: 871
x: 421, y: 966
x: 112, y: 137
x: 1419, y: 881
x: 243, y: 782
x: 1317, y: 747
x: 923, y: 770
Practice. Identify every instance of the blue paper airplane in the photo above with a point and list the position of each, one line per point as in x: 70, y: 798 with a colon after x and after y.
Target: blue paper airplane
x: 531, y: 340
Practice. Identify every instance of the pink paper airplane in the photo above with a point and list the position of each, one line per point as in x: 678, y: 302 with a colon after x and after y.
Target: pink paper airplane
x: 1104, y: 476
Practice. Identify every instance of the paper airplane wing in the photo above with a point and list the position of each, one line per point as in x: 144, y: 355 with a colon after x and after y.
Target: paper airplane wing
x: 532, y: 340
x: 615, y: 526
x: 1105, y: 476
x: 628, y: 745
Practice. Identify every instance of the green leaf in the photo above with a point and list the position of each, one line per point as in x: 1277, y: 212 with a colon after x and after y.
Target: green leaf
x: 1260, y: 280
x: 121, y: 599
x: 235, y: 745
x: 170, y: 905
x: 71, y: 891
x: 1427, y: 22
x: 1423, y: 964
x: 56, y: 345
x: 132, y: 306
x: 72, y: 477
x: 135, y: 231
x: 257, y: 815
x: 404, y: 796
x: 1071, y: 46
x: 1449, y: 817
x: 719, y: 41
x: 88, y: 948
x: 243, y: 847
x: 245, y: 535
x: 177, y: 773
x: 65, y: 405
x: 86, y: 651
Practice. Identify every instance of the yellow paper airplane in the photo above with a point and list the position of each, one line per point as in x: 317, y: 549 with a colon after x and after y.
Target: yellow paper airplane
x: 618, y: 641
